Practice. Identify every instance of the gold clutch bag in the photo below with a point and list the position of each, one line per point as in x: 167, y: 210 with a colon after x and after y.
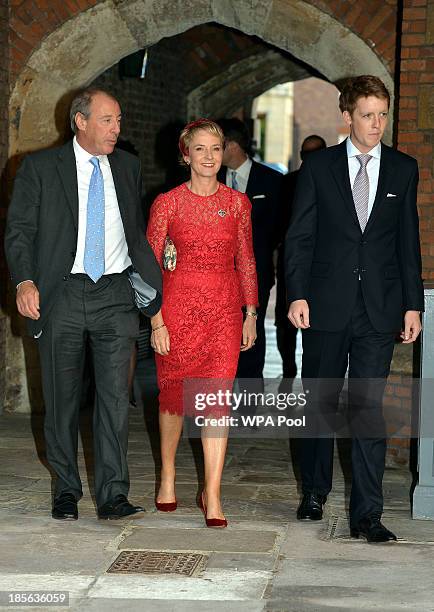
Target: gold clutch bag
x: 169, y: 255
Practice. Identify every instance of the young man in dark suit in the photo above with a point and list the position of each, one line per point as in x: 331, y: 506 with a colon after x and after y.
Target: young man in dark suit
x: 353, y: 277
x: 74, y: 229
x: 263, y: 188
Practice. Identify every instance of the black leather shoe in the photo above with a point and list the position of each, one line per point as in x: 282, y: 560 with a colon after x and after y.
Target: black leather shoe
x: 119, y: 508
x: 310, y: 508
x: 373, y: 530
x: 65, y: 508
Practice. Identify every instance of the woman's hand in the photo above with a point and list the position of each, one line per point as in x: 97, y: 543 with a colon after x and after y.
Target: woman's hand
x: 160, y: 340
x: 249, y: 333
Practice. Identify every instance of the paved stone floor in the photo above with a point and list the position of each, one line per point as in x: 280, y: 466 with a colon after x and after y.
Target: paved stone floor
x: 264, y: 561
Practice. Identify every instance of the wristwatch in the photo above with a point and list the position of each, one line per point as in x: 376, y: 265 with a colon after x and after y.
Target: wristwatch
x: 249, y: 313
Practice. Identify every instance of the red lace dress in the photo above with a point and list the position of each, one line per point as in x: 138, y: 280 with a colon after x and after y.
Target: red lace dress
x: 215, y: 276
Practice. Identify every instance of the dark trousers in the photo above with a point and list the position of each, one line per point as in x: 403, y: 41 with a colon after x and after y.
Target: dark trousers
x: 326, y: 356
x: 286, y: 333
x: 251, y: 362
x: 102, y: 317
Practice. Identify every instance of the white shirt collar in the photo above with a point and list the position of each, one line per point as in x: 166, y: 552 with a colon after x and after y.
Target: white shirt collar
x: 244, y: 169
x: 82, y: 156
x: 352, y: 150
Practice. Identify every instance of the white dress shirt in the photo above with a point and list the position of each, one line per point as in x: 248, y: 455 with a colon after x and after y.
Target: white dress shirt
x: 242, y: 175
x: 116, y: 249
x: 372, y: 168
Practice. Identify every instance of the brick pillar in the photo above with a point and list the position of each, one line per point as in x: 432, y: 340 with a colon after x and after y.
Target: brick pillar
x: 4, y: 103
x: 415, y: 136
x: 416, y: 112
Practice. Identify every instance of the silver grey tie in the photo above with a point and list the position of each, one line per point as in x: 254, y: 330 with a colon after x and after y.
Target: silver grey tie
x: 361, y: 191
x: 234, y: 180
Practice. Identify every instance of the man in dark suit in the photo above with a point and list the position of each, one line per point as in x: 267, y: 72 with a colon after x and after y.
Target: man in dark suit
x: 353, y: 276
x: 286, y: 333
x: 262, y: 186
x: 74, y: 229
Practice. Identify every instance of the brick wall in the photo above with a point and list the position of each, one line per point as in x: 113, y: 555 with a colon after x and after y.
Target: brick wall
x: 415, y: 133
x: 4, y: 83
x: 415, y: 136
x: 399, y: 415
x: 151, y: 107
x: 373, y: 20
x: 32, y: 20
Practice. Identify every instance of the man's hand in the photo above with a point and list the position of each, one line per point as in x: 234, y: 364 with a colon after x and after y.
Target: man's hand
x: 412, y: 326
x: 28, y: 300
x: 298, y: 314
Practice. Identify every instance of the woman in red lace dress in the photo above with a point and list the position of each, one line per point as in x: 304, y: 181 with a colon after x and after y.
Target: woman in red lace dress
x: 199, y: 331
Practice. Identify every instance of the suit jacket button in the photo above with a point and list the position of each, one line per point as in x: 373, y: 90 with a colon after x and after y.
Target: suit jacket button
x: 65, y: 277
x: 356, y: 271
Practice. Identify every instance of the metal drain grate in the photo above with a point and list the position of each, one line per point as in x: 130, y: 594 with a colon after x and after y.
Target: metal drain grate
x: 332, y: 527
x: 337, y: 529
x: 408, y: 531
x: 155, y: 562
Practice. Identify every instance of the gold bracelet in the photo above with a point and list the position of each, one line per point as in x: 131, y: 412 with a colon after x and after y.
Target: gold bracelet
x: 251, y: 314
x: 157, y: 328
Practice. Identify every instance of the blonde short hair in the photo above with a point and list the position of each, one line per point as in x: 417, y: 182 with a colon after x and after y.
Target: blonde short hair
x: 192, y: 128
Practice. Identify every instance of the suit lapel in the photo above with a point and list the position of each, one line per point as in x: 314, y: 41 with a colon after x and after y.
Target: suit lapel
x: 118, y: 180
x: 67, y: 168
x: 251, y: 182
x: 385, y: 173
x: 339, y: 169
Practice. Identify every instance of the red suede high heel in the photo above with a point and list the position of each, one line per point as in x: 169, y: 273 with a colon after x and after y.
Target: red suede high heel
x: 211, y: 522
x: 166, y: 506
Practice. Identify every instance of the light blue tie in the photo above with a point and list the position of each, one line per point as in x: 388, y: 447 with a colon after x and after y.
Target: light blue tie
x: 234, y: 180
x: 94, y: 263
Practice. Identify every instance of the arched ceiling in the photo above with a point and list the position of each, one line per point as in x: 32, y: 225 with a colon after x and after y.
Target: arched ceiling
x: 212, y: 49
x: 243, y: 80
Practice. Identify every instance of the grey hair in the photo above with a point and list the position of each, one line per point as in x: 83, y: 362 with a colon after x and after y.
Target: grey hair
x: 81, y: 104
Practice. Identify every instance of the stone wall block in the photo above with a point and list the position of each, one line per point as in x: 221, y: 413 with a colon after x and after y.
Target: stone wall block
x: 250, y: 16
x: 151, y: 20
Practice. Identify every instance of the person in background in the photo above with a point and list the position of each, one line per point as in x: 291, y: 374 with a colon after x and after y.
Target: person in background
x: 286, y: 333
x: 262, y: 185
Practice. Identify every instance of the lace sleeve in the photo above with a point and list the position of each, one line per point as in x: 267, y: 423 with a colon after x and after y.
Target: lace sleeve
x: 158, y: 226
x: 244, y: 257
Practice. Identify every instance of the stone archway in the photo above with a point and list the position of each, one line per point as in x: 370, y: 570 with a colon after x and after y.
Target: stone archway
x: 248, y: 78
x: 89, y: 43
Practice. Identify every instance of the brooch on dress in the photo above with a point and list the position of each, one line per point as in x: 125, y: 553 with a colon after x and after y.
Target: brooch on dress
x: 222, y: 213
